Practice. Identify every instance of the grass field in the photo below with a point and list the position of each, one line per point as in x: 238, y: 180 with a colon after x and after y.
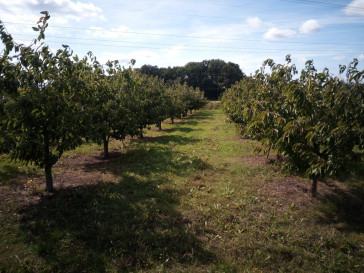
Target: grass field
x: 191, y: 198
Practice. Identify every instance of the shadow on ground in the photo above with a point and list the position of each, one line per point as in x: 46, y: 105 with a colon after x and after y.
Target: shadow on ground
x: 184, y: 129
x: 194, y: 119
x: 184, y: 124
x: 167, y: 139
x: 345, y: 207
x: 123, y: 226
x: 128, y: 226
x: 152, y: 156
x: 8, y: 173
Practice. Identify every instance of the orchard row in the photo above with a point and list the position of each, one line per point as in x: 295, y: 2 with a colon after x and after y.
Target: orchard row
x: 53, y: 102
x: 313, y: 121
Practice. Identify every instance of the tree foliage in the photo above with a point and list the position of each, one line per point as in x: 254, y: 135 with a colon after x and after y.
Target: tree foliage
x: 213, y: 77
x: 52, y: 102
x: 314, y: 121
x: 43, y: 97
x: 110, y: 111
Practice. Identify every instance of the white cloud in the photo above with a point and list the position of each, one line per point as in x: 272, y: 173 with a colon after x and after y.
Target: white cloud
x: 254, y: 22
x: 355, y: 7
x: 278, y: 34
x: 361, y: 57
x: 248, y: 63
x: 174, y: 52
x: 302, y: 59
x: 339, y: 58
x: 228, y: 31
x: 310, y: 26
x: 74, y: 10
x: 115, y: 32
x: 110, y: 56
x: 23, y: 10
x: 141, y: 57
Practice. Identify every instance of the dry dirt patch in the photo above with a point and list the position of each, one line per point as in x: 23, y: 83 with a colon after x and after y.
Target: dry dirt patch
x: 82, y: 170
x: 69, y: 172
x: 289, y: 190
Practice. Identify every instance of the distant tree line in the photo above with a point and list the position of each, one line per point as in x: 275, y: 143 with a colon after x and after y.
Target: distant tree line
x: 212, y: 77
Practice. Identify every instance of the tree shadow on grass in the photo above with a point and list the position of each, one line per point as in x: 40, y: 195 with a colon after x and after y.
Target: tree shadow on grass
x: 345, y: 210
x: 354, y: 171
x: 152, y: 156
x: 183, y: 129
x: 10, y: 174
x: 119, y: 227
x: 345, y: 207
x: 183, y: 125
x: 167, y: 139
x: 195, y: 118
x: 125, y: 226
x: 202, y: 115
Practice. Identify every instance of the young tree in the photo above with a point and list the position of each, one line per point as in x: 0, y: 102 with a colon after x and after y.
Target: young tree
x: 150, y: 100
x: 43, y: 98
x: 314, y: 121
x: 177, y: 106
x: 111, y: 107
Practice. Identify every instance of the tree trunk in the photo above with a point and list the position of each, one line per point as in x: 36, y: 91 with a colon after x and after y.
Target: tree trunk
x: 314, y: 188
x: 172, y: 119
x: 160, y: 126
x: 49, y: 179
x: 47, y: 162
x: 141, y: 132
x: 106, y: 148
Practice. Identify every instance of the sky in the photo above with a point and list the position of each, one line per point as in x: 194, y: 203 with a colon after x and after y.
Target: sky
x: 175, y: 32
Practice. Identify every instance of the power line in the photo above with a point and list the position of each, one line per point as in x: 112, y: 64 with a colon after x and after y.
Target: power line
x: 245, y: 6
x: 307, y: 2
x: 124, y: 10
x: 214, y: 4
x: 159, y: 48
x: 184, y: 13
x: 183, y: 49
x: 175, y: 13
x: 193, y: 37
x: 324, y: 4
x: 170, y: 44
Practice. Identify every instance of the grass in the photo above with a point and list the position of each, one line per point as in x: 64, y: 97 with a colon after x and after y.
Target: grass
x: 15, y: 173
x: 192, y: 198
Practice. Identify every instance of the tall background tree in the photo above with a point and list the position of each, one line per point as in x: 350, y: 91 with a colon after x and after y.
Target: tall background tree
x: 212, y: 77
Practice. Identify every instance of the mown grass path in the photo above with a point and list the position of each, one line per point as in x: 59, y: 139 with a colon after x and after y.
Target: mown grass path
x: 192, y: 198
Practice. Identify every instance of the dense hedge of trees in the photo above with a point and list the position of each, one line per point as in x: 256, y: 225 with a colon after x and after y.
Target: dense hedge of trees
x: 213, y: 77
x: 52, y: 102
x: 314, y: 121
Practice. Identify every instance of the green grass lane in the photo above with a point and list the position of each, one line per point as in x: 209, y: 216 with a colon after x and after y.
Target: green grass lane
x: 191, y: 198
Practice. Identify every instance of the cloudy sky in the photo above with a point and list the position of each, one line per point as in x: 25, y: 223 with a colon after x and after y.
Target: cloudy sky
x: 174, y: 32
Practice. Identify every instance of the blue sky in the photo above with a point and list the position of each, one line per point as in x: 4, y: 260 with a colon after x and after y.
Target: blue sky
x: 174, y: 32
